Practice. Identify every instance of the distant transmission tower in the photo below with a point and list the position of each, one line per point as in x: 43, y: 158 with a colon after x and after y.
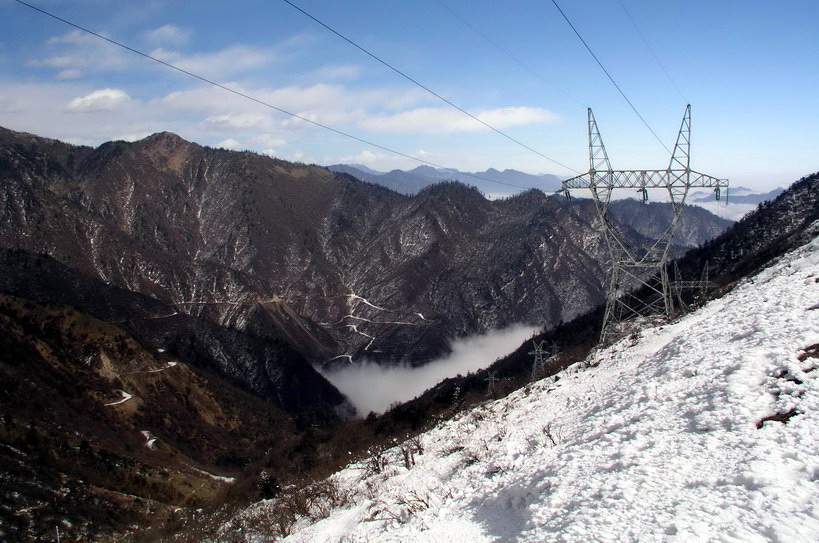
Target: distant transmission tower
x: 491, y: 379
x: 679, y: 285
x: 638, y: 283
x: 541, y: 357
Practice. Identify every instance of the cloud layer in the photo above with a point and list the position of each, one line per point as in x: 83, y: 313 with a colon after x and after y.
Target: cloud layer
x: 370, y: 387
x: 122, y: 96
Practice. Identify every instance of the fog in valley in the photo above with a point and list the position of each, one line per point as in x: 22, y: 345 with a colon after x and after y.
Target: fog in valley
x: 374, y: 388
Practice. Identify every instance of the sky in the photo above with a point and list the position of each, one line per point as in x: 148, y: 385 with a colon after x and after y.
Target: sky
x: 750, y: 70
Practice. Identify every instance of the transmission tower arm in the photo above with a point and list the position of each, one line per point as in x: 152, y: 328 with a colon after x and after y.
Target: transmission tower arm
x: 649, y: 179
x: 634, y: 270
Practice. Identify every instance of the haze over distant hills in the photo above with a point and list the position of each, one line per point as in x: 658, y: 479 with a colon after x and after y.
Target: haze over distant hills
x: 492, y: 183
x: 735, y: 203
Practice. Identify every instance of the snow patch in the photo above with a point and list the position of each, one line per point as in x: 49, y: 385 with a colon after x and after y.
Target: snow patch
x: 352, y: 297
x: 125, y: 398
x: 150, y: 440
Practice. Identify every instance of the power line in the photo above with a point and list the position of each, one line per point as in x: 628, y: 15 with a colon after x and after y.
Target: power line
x: 266, y: 104
x: 623, y: 94
x: 510, y: 55
x: 660, y: 64
x: 430, y: 91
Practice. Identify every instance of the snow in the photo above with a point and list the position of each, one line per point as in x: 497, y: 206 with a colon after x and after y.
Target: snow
x: 167, y: 366
x: 664, y: 436
x: 353, y: 296
x: 150, y: 439
x: 347, y: 356
x: 125, y: 398
x: 228, y: 480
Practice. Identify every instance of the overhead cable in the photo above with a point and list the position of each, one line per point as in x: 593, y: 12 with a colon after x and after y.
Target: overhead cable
x: 430, y: 91
x: 645, y: 41
x: 510, y: 55
x: 266, y: 104
x: 623, y: 94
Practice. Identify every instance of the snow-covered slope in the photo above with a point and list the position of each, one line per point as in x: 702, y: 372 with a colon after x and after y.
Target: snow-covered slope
x: 702, y: 430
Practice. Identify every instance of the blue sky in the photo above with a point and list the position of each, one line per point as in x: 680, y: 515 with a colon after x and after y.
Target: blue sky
x: 749, y: 69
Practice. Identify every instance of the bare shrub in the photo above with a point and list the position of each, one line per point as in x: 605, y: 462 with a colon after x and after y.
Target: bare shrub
x: 377, y: 461
x: 552, y: 433
x: 401, y: 510
x: 314, y: 501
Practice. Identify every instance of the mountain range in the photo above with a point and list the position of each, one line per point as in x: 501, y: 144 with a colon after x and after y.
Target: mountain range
x: 733, y: 205
x: 491, y: 182
x: 327, y: 264
x: 159, y: 295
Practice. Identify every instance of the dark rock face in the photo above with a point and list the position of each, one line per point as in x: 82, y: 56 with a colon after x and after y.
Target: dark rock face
x: 258, y: 358
x: 103, y: 432
x: 329, y: 265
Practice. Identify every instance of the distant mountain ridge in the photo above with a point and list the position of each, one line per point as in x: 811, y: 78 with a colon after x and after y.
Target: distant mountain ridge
x: 491, y: 182
x: 738, y: 195
x: 322, y: 264
x: 734, y: 203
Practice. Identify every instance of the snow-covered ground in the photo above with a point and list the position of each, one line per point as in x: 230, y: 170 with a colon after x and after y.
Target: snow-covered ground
x: 662, y: 437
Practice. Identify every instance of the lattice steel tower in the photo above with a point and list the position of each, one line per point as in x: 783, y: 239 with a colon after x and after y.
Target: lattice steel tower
x: 639, y: 285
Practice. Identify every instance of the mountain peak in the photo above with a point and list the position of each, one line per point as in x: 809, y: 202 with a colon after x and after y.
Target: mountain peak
x: 424, y: 170
x: 165, y: 139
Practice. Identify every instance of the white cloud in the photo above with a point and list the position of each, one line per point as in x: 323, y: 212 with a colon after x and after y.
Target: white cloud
x: 218, y: 64
x: 9, y: 105
x: 516, y: 116
x: 322, y: 102
x: 100, y: 100
x: 373, y: 388
x: 268, y: 140
x: 54, y: 62
x: 73, y: 37
x: 237, y: 121
x: 208, y: 115
x: 229, y: 143
x: 133, y: 136
x: 337, y: 72
x: 448, y: 120
x: 79, y: 53
x: 382, y: 162
x: 167, y: 34
x: 69, y: 73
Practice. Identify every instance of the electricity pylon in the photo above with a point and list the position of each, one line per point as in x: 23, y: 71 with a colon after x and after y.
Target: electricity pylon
x: 491, y: 379
x: 539, y: 365
x: 638, y: 282
x: 679, y: 285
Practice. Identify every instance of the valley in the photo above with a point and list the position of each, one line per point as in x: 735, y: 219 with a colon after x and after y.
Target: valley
x: 179, y: 307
